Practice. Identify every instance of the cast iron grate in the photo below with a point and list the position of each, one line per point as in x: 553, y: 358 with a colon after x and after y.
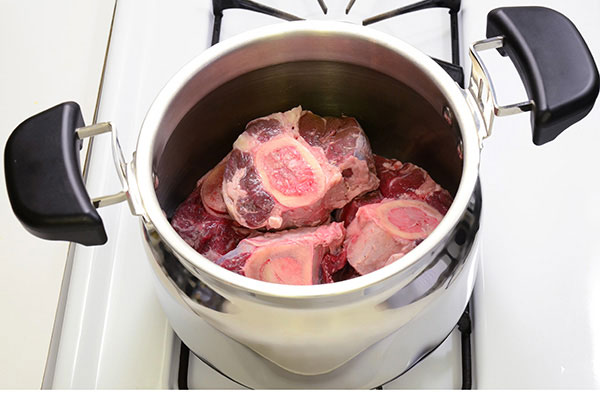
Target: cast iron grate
x: 453, y: 68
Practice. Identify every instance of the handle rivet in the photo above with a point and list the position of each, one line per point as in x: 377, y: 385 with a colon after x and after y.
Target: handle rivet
x: 448, y: 116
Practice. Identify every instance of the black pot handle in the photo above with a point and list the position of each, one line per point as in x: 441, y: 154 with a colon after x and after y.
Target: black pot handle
x: 554, y: 62
x: 43, y: 178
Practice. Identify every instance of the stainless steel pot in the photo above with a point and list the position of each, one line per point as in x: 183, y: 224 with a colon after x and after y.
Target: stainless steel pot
x: 357, y: 333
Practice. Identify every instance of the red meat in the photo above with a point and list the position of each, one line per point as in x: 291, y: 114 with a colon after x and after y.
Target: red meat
x: 209, y: 235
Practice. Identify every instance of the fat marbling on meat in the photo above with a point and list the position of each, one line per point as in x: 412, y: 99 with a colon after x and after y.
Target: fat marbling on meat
x: 292, y: 169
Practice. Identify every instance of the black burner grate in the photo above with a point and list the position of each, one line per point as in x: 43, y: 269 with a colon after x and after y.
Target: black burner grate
x: 453, y: 68
x: 221, y: 5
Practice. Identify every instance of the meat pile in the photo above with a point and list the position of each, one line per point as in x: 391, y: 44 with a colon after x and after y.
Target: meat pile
x: 302, y: 200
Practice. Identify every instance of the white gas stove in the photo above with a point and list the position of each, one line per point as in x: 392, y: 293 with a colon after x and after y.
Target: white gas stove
x: 535, y: 309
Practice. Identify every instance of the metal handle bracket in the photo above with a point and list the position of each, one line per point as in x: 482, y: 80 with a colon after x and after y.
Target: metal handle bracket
x: 482, y: 90
x: 121, y: 165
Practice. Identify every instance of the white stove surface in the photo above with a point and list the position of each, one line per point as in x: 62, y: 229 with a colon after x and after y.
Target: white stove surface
x: 537, y: 315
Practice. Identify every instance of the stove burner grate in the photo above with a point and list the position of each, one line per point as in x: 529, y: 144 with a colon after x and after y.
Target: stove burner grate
x: 453, y: 68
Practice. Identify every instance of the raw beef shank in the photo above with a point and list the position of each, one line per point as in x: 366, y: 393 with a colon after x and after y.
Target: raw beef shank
x: 399, y: 180
x: 385, y: 224
x: 406, y: 180
x: 383, y: 232
x: 291, y: 170
x: 287, y: 170
x: 293, y: 257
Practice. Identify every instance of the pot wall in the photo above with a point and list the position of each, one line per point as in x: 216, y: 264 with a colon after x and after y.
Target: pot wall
x: 304, y: 346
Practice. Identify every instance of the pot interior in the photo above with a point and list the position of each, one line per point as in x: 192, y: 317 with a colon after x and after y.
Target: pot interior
x: 399, y: 121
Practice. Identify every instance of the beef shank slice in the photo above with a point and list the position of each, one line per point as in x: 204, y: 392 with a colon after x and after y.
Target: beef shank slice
x: 291, y: 257
x: 406, y: 180
x: 276, y: 178
x: 383, y: 232
x: 399, y: 181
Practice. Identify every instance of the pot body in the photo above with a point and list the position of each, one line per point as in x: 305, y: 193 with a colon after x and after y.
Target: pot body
x: 357, y: 333
x: 360, y: 344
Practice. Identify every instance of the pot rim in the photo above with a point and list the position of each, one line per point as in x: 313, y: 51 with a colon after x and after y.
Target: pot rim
x: 152, y: 123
